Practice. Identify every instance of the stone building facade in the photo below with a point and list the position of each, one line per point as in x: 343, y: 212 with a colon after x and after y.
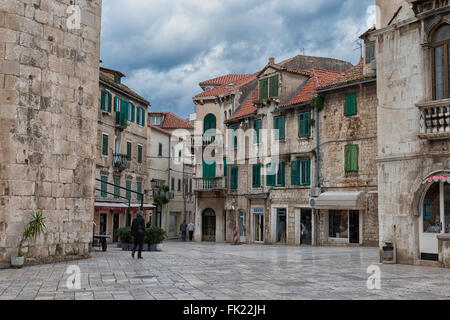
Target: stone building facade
x: 121, y: 155
x: 413, y: 127
x: 49, y: 90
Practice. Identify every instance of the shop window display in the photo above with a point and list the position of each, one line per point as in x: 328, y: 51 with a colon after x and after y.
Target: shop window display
x: 431, y: 210
x: 338, y: 224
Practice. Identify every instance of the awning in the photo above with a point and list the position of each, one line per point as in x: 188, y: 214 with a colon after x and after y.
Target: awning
x: 341, y: 200
x: 118, y: 206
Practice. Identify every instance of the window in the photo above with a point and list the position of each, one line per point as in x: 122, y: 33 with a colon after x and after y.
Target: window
x: 190, y: 185
x: 441, y: 60
x: 351, y: 158
x: 104, y: 186
x: 106, y: 98
x: 139, y: 154
x: 140, y: 117
x: 279, y: 124
x: 301, y: 172
x: 128, y: 186
x: 370, y: 51
x: 139, y: 189
x: 116, y: 188
x: 256, y: 175
x: 156, y: 120
x: 117, y: 78
x: 172, y: 184
x: 117, y: 102
x: 281, y: 225
x: 235, y: 137
x: 270, y: 175
x: 304, y: 124
x: 338, y: 224
x: 280, y: 179
x: 234, y: 178
x: 257, y: 128
x: 131, y: 112
x: 129, y: 146
x: 160, y: 150
x: 268, y: 87
x: 436, y: 218
x: 179, y: 185
x: 105, y: 144
x: 350, y: 104
x: 225, y: 172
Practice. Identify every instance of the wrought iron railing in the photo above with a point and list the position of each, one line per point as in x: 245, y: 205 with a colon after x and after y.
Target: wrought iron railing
x: 121, y: 120
x: 435, y: 119
x: 209, y: 184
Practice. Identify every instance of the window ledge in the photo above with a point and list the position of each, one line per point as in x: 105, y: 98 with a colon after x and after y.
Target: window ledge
x: 304, y: 138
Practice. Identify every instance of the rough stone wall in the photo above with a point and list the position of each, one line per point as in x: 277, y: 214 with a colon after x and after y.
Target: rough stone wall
x: 49, y: 97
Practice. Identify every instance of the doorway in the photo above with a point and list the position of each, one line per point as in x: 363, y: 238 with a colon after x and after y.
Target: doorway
x: 242, y: 227
x: 306, y: 227
x: 103, y: 223
x: 281, y: 225
x: 354, y: 226
x: 115, y: 227
x: 259, y: 225
x: 209, y: 225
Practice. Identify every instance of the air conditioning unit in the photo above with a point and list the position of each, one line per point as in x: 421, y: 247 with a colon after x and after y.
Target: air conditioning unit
x: 312, y: 202
x: 373, y: 64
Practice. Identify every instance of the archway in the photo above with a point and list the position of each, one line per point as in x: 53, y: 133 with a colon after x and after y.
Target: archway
x: 209, y: 225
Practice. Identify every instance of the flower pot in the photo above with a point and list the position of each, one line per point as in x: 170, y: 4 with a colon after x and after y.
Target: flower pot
x: 17, y: 262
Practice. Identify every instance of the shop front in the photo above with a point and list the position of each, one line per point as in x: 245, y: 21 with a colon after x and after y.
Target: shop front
x: 434, y: 215
x: 209, y: 225
x: 258, y: 225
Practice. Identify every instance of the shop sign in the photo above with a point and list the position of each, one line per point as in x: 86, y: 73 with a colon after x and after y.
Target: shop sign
x: 438, y: 178
x: 258, y: 210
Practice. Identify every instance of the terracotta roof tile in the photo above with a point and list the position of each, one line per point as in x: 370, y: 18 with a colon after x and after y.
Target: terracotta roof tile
x: 225, y: 88
x: 319, y: 77
x: 158, y: 128
x: 247, y: 108
x: 354, y: 74
x: 227, y: 79
x: 172, y: 121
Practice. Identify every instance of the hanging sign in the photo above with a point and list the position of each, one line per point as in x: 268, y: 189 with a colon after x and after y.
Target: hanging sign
x: 439, y: 178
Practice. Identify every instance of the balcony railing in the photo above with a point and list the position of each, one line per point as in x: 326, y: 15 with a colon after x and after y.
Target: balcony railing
x: 121, y: 161
x: 204, y: 184
x: 121, y: 120
x: 435, y: 119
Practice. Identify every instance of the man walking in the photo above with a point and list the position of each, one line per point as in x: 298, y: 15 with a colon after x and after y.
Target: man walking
x: 183, y: 228
x: 191, y: 228
x: 138, y: 233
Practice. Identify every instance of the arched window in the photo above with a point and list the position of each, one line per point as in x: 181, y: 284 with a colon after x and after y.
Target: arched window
x: 209, y: 122
x: 441, y: 62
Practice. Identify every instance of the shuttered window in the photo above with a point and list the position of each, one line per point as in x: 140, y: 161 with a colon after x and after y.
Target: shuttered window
x: 301, y: 172
x: 124, y: 108
x: 234, y: 178
x: 105, y: 144
x: 351, y: 158
x: 263, y: 89
x: 304, y: 123
x: 117, y: 104
x: 132, y: 112
x: 209, y: 169
x: 281, y: 175
x: 106, y: 101
x: 143, y: 117
x: 104, y: 186
x: 128, y: 186
x: 225, y: 172
x: 129, y: 146
x: 274, y: 83
x: 270, y: 175
x: 257, y: 128
x: 139, y: 154
x: 235, y: 137
x: 350, y: 104
x: 116, y: 188
x: 279, y: 124
x: 138, y: 116
x: 139, y: 189
x: 256, y: 176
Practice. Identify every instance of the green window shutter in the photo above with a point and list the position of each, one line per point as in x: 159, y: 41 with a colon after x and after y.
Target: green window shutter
x: 143, y: 116
x: 304, y: 121
x: 270, y: 177
x: 129, y: 146
x: 209, y: 170
x: 295, y: 173
x: 116, y: 188
x: 139, y: 189
x: 354, y: 163
x: 263, y: 89
x: 103, y: 100
x: 139, y: 154
x: 274, y: 82
x: 348, y: 159
x: 234, y: 178
x: 256, y: 175
x: 257, y: 128
x: 351, y: 158
x: 280, y: 126
x: 281, y: 175
x: 109, y: 101
x: 124, y: 108
x: 306, y: 172
x: 128, y: 186
x: 133, y: 112
x: 138, y: 115
x: 350, y: 104
x: 105, y: 145
x: 225, y: 172
x: 104, y: 186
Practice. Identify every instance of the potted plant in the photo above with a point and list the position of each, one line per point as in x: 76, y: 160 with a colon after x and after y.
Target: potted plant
x: 153, y: 237
x: 34, y: 229
x: 125, y: 238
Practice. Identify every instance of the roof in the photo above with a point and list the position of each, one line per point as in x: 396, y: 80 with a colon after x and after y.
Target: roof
x: 159, y: 129
x: 248, y: 108
x: 113, y: 71
x: 172, y: 121
x: 227, y: 79
x: 319, y: 77
x: 123, y: 88
x: 354, y: 74
x: 224, y: 89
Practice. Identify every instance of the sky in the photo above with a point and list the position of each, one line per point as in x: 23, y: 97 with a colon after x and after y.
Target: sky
x: 166, y: 47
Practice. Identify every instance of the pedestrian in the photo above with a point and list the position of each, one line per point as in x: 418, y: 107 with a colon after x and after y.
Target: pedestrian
x: 138, y: 233
x: 183, y: 228
x: 191, y: 228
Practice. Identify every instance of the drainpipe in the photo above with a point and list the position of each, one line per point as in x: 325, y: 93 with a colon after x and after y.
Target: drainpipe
x: 316, y: 215
x: 168, y: 180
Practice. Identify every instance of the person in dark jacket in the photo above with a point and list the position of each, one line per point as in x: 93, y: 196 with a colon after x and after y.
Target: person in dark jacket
x: 138, y: 233
x: 183, y: 228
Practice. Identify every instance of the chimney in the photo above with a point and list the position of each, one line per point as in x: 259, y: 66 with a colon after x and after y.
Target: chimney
x: 271, y: 60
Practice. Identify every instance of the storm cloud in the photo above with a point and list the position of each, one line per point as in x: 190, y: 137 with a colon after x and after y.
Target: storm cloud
x: 166, y: 47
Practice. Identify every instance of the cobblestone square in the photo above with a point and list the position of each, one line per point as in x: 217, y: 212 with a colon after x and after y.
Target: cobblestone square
x: 202, y: 271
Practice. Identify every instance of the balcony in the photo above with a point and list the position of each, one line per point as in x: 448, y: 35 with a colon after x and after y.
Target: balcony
x: 435, y: 119
x: 121, y: 120
x: 209, y: 184
x: 121, y: 161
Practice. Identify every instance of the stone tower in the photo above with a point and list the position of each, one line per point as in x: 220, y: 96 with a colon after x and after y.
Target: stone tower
x: 49, y: 91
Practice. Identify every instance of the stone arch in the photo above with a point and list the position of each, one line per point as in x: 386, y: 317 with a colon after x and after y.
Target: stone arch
x: 422, y: 186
